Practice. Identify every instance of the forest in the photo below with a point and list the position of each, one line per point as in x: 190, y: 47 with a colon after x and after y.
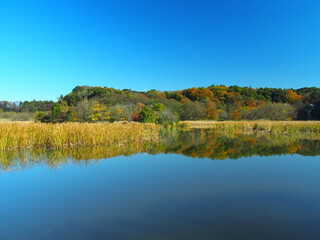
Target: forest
x: 97, y: 104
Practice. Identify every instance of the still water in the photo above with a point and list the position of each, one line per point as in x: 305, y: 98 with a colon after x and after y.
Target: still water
x: 196, y: 185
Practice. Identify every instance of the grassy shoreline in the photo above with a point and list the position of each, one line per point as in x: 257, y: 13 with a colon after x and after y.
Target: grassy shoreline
x: 199, y: 143
x: 299, y: 129
x: 25, y: 135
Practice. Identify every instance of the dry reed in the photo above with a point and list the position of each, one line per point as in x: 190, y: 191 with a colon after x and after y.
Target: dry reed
x: 30, y: 135
x: 298, y: 129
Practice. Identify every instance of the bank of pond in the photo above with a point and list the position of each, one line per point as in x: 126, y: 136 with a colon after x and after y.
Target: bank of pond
x: 195, y: 143
x: 26, y: 135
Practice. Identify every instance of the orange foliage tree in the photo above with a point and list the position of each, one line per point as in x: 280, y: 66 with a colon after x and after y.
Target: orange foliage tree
x: 198, y: 94
x: 236, y: 115
x: 212, y: 111
x: 292, y: 96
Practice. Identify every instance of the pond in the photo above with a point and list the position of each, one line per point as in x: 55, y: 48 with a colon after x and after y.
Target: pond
x: 193, y: 185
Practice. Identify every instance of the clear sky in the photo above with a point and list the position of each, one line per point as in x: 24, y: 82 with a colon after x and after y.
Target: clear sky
x: 47, y: 47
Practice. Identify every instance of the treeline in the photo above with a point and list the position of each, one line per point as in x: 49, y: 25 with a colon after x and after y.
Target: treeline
x: 93, y: 104
x: 26, y: 106
x: 22, y: 111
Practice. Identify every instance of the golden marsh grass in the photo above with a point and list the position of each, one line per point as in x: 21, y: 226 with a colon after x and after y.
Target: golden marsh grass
x: 199, y: 143
x: 23, y: 135
x: 298, y: 129
x: 16, y: 135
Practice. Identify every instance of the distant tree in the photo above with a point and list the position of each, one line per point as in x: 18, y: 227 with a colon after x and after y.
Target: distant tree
x: 212, y: 111
x: 292, y: 96
x: 83, y: 110
x: 236, y: 115
x: 159, y: 107
x: 278, y: 96
x: 250, y: 102
x: 198, y: 94
x: 315, y: 97
x: 70, y: 116
x: 146, y: 115
x: 212, y: 102
x: 99, y: 112
x: 276, y: 111
x: 193, y: 111
x: 167, y: 116
x: 56, y: 110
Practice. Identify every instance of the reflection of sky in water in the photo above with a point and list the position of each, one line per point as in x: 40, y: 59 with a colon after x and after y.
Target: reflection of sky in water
x: 164, y: 196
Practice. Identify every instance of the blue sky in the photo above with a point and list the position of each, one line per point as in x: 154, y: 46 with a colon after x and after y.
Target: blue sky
x: 49, y: 47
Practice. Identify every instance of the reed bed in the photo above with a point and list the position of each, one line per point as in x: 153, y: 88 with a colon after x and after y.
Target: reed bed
x: 200, y: 143
x: 298, y: 129
x: 30, y: 135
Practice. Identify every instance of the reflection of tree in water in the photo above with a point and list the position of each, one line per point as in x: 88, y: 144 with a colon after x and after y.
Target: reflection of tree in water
x: 210, y: 144
x: 197, y: 143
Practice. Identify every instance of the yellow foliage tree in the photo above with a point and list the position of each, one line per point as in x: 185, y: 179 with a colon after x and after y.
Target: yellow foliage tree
x: 99, y: 113
x: 292, y: 96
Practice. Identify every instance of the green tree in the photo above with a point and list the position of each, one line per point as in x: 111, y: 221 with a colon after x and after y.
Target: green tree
x: 146, y: 115
x: 70, y: 116
x: 56, y: 110
x: 159, y: 107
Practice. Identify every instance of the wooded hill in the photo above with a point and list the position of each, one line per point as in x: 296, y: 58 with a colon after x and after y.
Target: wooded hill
x: 91, y: 104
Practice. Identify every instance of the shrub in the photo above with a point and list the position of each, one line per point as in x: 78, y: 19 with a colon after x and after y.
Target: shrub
x: 146, y: 115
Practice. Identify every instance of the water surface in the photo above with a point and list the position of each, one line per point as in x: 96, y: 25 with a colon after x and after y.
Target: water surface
x: 197, y: 185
